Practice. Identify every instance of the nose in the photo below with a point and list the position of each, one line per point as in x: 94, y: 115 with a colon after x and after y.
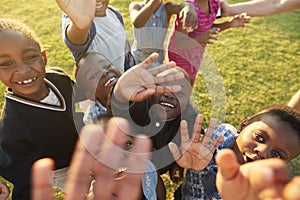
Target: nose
x: 169, y: 96
x: 21, y: 66
x: 261, y: 151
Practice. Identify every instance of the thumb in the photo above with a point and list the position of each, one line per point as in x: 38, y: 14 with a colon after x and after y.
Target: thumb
x: 150, y: 59
x: 227, y: 164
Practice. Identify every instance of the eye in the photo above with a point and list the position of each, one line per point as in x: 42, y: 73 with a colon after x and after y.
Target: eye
x: 94, y: 76
x: 259, y: 138
x: 6, y: 64
x: 31, y: 58
x: 128, y: 145
x: 276, y: 154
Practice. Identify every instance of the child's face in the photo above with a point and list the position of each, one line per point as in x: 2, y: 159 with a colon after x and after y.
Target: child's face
x: 22, y: 67
x: 267, y: 138
x: 172, y: 104
x: 97, y: 76
x: 101, y: 6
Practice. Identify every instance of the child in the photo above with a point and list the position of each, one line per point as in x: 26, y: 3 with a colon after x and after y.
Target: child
x: 37, y: 118
x: 271, y: 133
x: 150, y: 20
x: 262, y: 179
x: 96, y: 76
x: 152, y: 101
x: 187, y: 48
x: 93, y: 25
x: 228, y: 179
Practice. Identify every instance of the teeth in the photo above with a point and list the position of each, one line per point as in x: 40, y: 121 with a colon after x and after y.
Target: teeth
x: 109, y: 81
x: 99, y: 4
x: 167, y: 104
x: 26, y: 81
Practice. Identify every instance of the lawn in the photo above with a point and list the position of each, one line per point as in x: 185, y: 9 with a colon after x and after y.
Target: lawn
x: 245, y: 71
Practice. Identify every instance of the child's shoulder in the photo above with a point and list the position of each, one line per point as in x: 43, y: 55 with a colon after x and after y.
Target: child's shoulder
x: 57, y: 71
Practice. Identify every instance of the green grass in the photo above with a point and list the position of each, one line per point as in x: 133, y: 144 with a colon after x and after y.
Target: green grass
x: 256, y: 66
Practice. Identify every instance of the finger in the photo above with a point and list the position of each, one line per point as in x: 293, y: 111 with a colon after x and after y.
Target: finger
x: 131, y: 188
x: 162, y: 67
x: 82, y: 162
x: 106, y: 170
x: 149, y: 60
x: 216, y: 143
x: 291, y: 189
x: 169, y: 78
x: 213, y: 38
x: 167, y: 89
x: 104, y: 185
x: 41, y: 179
x: 227, y: 164
x: 139, y: 154
x: 175, y: 151
x: 197, y: 128
x: 266, y: 174
x: 184, y: 132
x: 142, y: 95
x: 209, y: 131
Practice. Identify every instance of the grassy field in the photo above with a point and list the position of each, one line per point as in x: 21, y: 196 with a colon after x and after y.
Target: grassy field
x: 245, y: 71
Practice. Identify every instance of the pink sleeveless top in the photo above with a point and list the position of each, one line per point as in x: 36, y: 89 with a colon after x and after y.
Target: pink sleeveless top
x: 190, y: 59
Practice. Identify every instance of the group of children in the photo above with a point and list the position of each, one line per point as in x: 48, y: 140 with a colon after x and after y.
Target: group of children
x: 153, y: 97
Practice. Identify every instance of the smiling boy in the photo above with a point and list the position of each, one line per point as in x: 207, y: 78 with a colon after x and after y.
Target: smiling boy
x: 37, y: 118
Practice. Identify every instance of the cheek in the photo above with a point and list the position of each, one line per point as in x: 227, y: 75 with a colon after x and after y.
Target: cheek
x: 245, y: 139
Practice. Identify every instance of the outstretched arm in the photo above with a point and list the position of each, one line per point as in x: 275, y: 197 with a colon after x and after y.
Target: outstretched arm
x: 259, y: 7
x: 140, y: 82
x: 262, y: 179
x: 97, y: 155
x: 235, y: 22
x: 139, y: 16
x: 196, y: 152
x: 81, y: 13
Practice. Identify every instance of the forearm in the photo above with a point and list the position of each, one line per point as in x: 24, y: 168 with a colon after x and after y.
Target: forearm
x: 140, y: 17
x: 264, y: 7
x: 77, y: 36
x: 223, y: 26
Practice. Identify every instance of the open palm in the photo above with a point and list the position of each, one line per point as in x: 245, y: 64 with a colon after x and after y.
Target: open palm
x: 81, y: 12
x: 197, y: 152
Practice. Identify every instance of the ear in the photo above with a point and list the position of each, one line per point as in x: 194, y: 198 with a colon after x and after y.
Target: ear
x: 243, y: 125
x: 44, y: 56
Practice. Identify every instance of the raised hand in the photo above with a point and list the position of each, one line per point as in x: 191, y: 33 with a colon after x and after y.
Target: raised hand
x: 101, y: 156
x: 261, y: 179
x: 81, y: 12
x: 189, y: 17
x: 141, y: 81
x: 196, y: 152
x: 239, y: 20
x: 208, y: 37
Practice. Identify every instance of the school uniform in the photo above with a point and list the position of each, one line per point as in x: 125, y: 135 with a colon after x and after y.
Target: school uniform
x: 31, y: 130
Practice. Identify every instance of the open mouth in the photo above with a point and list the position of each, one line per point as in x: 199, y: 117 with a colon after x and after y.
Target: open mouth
x: 247, y: 159
x: 110, y: 81
x: 27, y: 81
x: 166, y: 105
x: 99, y: 4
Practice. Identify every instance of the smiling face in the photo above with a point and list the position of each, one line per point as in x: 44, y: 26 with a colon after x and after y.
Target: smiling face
x: 101, y: 6
x: 171, y: 105
x: 22, y: 66
x: 267, y: 138
x: 97, y: 76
